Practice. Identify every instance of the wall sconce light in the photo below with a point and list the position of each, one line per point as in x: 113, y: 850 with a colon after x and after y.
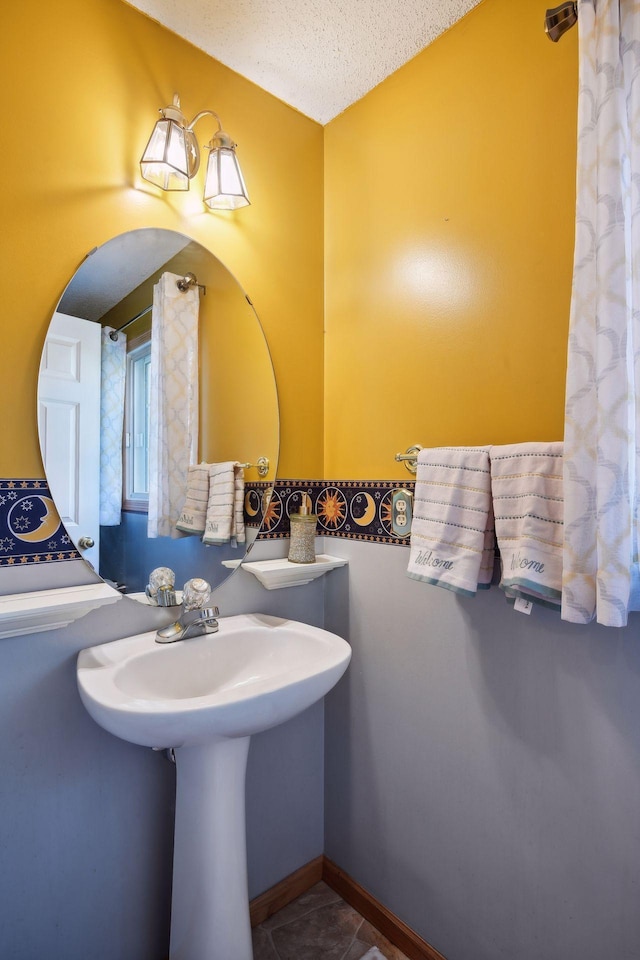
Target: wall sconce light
x: 172, y: 157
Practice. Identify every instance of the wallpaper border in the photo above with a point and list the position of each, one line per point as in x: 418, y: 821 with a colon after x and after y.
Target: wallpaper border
x: 31, y: 531
x: 349, y: 509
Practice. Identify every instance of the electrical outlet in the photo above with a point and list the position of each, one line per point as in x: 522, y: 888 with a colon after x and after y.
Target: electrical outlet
x: 401, y: 512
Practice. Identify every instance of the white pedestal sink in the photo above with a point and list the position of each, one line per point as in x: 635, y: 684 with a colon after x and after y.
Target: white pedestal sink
x: 205, y: 697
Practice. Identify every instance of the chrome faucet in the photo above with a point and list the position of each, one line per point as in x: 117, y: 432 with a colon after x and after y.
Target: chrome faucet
x: 192, y: 623
x: 196, y: 619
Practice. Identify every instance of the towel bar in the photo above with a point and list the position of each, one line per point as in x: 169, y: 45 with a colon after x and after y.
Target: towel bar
x: 410, y: 457
x: 262, y: 466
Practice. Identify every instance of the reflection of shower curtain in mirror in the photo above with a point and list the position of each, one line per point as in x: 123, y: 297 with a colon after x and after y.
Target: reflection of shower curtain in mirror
x: 112, y: 378
x: 173, y: 401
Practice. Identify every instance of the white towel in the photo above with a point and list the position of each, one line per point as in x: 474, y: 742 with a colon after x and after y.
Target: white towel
x: 225, y: 509
x: 193, y: 514
x: 526, y: 480
x: 452, y: 540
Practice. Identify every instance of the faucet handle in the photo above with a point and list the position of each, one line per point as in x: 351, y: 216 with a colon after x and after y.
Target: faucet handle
x: 160, y: 589
x: 196, y: 594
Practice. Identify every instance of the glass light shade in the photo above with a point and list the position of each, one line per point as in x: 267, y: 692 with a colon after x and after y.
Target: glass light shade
x: 165, y: 160
x: 224, y: 187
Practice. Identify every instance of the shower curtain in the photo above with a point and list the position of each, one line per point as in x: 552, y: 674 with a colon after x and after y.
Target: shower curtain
x: 113, y: 365
x: 602, y: 423
x: 173, y: 401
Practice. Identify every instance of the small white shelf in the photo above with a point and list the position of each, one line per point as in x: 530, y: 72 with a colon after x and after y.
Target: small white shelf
x: 41, y: 610
x: 276, y: 574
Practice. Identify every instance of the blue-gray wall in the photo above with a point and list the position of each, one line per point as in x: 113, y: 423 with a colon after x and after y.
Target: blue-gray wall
x: 483, y: 767
x: 482, y: 777
x: 86, y: 820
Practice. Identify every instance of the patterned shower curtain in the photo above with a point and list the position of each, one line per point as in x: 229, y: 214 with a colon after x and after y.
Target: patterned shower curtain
x: 173, y: 401
x: 602, y: 422
x: 112, y: 380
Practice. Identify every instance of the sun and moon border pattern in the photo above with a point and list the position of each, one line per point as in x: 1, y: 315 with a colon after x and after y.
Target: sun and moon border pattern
x: 351, y: 509
x: 31, y: 531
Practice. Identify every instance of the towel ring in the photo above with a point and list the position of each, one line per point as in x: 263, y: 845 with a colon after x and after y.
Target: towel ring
x: 410, y: 457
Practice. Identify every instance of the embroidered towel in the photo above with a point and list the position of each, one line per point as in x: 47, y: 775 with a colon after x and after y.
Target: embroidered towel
x: 452, y: 539
x: 193, y: 514
x: 526, y: 480
x: 225, y: 516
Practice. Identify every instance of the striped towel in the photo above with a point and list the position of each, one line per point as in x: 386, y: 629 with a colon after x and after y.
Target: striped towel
x: 452, y: 538
x: 193, y: 514
x: 225, y: 509
x: 526, y: 480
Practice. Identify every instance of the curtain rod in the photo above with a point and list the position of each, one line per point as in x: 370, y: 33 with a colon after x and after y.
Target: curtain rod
x: 183, y: 284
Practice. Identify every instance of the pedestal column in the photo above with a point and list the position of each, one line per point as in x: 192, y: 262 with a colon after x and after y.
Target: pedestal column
x: 210, y: 899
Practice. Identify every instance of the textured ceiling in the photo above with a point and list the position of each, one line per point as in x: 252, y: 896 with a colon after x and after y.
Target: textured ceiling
x: 319, y: 56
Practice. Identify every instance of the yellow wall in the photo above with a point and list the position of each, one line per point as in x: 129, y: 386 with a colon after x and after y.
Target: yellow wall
x: 83, y: 81
x: 449, y: 214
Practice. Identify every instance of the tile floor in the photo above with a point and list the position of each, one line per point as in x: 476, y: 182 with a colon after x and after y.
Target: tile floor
x: 319, y: 925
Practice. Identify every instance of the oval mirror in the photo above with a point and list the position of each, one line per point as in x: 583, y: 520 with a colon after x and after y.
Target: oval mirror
x: 97, y: 413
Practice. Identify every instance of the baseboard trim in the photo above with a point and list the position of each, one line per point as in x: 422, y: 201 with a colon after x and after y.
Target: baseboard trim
x: 278, y: 896
x: 390, y: 926
x: 297, y: 883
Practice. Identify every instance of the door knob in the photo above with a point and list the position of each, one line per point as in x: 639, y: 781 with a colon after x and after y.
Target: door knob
x: 85, y: 543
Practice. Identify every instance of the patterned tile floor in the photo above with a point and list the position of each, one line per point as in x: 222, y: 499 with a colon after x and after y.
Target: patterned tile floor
x: 319, y: 925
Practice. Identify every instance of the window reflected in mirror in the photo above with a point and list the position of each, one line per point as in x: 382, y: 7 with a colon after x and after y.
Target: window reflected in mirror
x: 136, y: 427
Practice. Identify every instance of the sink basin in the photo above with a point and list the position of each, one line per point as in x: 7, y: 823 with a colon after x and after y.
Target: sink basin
x: 256, y: 672
x: 205, y: 697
